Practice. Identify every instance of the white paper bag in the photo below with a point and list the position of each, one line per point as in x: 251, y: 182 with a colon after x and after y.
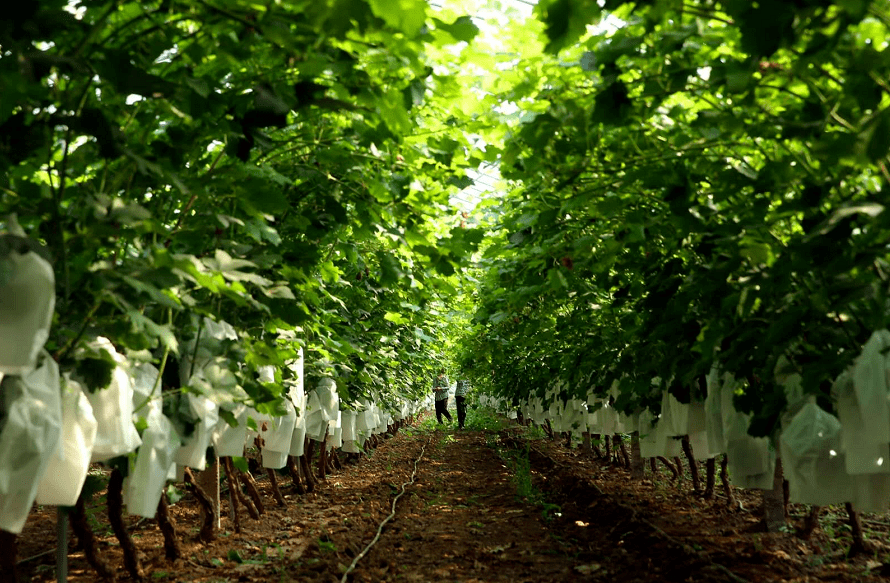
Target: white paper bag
x: 29, y: 435
x: 113, y: 409
x: 67, y: 470
x: 277, y: 438
x: 229, y: 441
x: 154, y: 460
x: 27, y: 301
x: 812, y: 458
x: 193, y: 452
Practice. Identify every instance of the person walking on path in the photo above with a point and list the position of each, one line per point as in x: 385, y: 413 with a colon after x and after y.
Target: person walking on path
x: 460, y: 397
x: 440, y: 391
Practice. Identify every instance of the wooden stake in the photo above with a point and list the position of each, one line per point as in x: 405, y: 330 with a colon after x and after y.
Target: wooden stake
x: 773, y: 502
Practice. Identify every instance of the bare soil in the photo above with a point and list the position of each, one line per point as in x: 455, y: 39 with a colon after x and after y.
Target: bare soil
x: 465, y: 513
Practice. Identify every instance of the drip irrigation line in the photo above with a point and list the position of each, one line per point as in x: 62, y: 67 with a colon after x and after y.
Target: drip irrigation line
x: 388, y: 518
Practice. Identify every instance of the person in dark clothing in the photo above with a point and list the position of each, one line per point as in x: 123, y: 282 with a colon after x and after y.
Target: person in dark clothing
x: 440, y: 392
x: 460, y: 397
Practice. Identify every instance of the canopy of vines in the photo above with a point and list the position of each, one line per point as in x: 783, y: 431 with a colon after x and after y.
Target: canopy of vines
x: 692, y: 187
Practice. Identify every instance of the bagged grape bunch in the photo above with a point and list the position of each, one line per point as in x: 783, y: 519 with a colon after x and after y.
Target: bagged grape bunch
x: 27, y: 300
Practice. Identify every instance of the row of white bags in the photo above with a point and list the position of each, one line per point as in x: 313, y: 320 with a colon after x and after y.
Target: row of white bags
x: 826, y: 459
x: 845, y: 458
x: 31, y: 403
x: 51, y: 431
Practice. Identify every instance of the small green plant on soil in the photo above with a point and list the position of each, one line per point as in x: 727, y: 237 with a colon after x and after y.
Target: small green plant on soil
x: 520, y: 466
x: 327, y: 546
x: 427, y: 424
x: 484, y: 419
x: 550, y: 511
x: 436, y: 500
x: 264, y: 551
x: 534, y: 432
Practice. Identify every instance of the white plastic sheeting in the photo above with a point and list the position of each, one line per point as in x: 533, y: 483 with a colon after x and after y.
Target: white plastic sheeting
x: 871, y: 390
x: 721, y: 387
x: 648, y: 435
x: 862, y: 403
x: 862, y: 395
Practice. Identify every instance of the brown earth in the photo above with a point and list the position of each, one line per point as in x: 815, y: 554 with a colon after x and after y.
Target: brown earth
x: 461, y: 518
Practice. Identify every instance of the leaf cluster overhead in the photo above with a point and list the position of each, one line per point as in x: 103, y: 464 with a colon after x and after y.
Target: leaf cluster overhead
x: 698, y: 184
x: 284, y: 167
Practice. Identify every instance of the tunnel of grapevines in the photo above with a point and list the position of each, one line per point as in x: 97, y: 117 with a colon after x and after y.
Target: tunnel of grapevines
x: 638, y: 250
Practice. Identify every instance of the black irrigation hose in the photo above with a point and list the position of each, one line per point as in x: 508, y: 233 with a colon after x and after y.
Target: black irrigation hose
x: 388, y: 518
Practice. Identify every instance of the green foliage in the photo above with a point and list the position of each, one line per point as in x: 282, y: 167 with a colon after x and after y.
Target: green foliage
x: 690, y: 184
x: 240, y: 463
x: 235, y: 556
x: 696, y: 184
x: 526, y: 491
x: 250, y: 164
x: 174, y: 494
x: 483, y: 419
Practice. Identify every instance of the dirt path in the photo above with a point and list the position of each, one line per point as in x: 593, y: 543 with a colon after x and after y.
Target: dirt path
x: 462, y: 519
